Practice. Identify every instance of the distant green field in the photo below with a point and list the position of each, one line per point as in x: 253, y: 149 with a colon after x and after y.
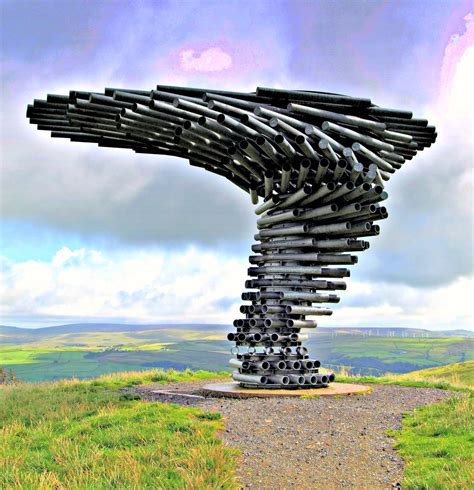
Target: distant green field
x: 51, y: 355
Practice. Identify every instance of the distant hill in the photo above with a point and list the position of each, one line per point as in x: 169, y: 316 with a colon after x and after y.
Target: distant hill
x: 458, y: 374
x: 77, y: 328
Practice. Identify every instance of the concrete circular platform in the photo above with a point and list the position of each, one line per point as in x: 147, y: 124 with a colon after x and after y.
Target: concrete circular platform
x: 234, y: 390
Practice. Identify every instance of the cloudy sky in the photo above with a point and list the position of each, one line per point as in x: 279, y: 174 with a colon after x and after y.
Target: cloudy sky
x: 97, y: 234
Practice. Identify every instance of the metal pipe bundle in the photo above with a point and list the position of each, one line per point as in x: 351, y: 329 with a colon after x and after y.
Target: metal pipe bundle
x: 318, y: 160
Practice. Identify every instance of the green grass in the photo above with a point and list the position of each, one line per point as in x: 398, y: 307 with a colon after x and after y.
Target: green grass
x: 436, y: 441
x: 458, y: 374
x: 87, y: 434
x: 437, y: 444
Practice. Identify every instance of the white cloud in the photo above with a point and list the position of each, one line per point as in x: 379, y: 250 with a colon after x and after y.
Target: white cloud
x: 197, y: 286
x: 210, y: 60
x: 191, y: 286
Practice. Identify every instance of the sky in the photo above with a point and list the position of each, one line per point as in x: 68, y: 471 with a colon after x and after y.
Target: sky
x: 92, y: 234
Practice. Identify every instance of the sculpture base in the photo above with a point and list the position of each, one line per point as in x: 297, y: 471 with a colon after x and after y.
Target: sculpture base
x: 234, y: 390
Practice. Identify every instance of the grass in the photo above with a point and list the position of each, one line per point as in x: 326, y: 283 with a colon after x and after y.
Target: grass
x: 436, y: 441
x: 460, y: 374
x: 437, y: 444
x: 87, y: 434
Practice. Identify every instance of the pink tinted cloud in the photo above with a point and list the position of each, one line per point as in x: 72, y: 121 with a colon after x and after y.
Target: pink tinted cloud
x: 453, y: 53
x: 210, y: 60
x: 222, y: 59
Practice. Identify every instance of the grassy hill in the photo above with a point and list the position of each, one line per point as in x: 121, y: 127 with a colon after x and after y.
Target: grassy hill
x: 90, y: 350
x: 90, y: 434
x: 458, y: 374
x: 86, y: 434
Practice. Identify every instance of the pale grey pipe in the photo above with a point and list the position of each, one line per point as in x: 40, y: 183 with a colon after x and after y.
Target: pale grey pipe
x: 318, y: 212
x: 305, y: 242
x: 322, y: 378
x: 329, y: 229
x: 311, y: 379
x: 279, y: 379
x: 291, y: 230
x: 268, y: 149
x: 196, y: 108
x: 250, y: 378
x: 305, y: 257
x: 305, y: 165
x: 300, y: 296
x: 222, y: 107
x: 327, y: 150
x: 284, y: 145
x: 334, y: 116
x: 291, y: 121
x: 307, y: 310
x: 285, y: 177
x: 294, y: 365
x: 158, y: 117
x: 296, y: 197
x: 262, y: 127
x: 252, y: 152
x: 385, y: 175
x: 321, y: 170
x: 320, y: 193
x: 371, y: 173
x: 348, y: 210
x: 239, y: 364
x: 253, y: 196
x: 349, y: 133
x: 203, y: 131
x: 306, y: 148
x: 340, y: 192
x: 207, y: 122
x: 171, y: 109
x: 286, y: 216
x: 393, y: 135
x: 272, y: 323
x: 356, y: 172
x: 301, y: 323
x: 341, y: 167
x: 380, y: 162
x: 291, y: 269
x: 357, y: 192
x: 350, y: 156
x: 321, y: 135
x: 393, y: 156
x: 264, y: 365
x: 268, y: 183
x: 378, y: 178
x: 268, y: 204
x: 298, y: 337
x: 236, y: 125
x: 297, y: 379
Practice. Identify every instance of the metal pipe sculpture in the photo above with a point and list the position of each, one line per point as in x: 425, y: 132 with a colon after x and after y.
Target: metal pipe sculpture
x: 318, y: 160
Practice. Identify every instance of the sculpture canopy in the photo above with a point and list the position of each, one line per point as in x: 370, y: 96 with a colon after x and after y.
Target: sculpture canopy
x: 238, y: 135
x: 320, y: 162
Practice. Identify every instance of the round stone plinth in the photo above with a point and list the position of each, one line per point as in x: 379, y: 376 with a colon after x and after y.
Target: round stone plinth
x: 234, y: 390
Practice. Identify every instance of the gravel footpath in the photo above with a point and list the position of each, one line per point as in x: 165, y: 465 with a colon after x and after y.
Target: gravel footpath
x: 319, y: 443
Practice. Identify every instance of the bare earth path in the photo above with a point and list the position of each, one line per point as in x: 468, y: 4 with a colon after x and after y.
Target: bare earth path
x: 320, y: 443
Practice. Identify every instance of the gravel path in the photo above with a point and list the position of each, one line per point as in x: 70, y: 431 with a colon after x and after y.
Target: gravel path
x: 319, y: 443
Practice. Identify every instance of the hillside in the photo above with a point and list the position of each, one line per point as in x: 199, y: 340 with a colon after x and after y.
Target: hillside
x: 89, y: 350
x: 458, y: 374
x: 113, y: 432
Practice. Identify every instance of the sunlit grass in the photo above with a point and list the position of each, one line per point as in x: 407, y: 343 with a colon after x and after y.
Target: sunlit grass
x: 437, y: 445
x: 87, y: 434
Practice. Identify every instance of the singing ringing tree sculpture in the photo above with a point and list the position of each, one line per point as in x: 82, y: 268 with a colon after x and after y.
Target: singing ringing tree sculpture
x: 318, y: 160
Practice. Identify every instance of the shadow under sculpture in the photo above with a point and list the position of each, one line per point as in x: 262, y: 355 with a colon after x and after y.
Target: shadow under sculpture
x: 318, y: 160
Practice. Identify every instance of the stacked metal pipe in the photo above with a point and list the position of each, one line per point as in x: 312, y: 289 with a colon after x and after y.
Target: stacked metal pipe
x: 319, y: 162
